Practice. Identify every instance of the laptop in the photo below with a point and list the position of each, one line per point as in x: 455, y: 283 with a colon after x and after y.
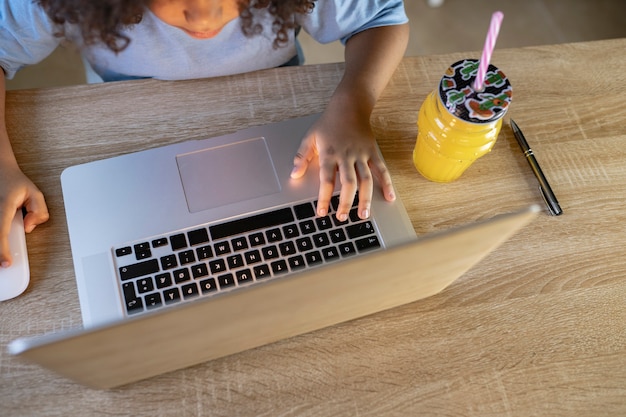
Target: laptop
x: 125, y: 214
x: 168, y: 225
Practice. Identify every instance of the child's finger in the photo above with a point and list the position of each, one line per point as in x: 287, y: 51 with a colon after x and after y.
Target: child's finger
x: 379, y: 169
x: 300, y: 165
x: 349, y: 182
x: 302, y: 158
x: 366, y: 188
x: 6, y: 218
x: 36, y: 212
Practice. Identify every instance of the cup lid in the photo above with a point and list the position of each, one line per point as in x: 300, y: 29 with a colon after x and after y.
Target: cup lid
x: 457, y: 92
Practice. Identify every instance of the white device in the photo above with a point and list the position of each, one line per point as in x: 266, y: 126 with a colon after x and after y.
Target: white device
x: 14, y: 279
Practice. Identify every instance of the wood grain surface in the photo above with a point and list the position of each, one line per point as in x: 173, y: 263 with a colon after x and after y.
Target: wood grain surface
x: 537, y: 328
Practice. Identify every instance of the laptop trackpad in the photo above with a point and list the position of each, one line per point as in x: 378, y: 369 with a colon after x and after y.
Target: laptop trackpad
x: 227, y: 174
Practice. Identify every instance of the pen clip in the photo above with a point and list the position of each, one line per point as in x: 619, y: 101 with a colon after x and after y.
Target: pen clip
x: 555, y: 211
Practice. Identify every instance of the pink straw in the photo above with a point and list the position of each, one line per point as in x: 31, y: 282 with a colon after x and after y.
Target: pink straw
x: 490, y: 42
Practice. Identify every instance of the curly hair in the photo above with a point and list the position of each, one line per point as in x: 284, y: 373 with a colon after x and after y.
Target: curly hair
x: 103, y: 21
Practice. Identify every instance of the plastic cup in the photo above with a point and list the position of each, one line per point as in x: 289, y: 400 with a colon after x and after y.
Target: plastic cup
x: 456, y: 124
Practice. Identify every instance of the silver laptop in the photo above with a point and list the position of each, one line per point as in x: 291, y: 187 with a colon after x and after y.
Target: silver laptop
x: 160, y: 227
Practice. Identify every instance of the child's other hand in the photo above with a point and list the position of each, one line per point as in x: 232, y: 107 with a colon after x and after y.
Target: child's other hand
x: 349, y: 149
x: 16, y: 191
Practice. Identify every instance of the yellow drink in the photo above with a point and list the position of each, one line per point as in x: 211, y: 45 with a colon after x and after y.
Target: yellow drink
x: 453, y: 135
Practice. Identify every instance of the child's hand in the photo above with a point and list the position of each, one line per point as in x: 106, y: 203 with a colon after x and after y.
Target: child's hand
x: 16, y: 191
x: 342, y: 137
x: 349, y: 148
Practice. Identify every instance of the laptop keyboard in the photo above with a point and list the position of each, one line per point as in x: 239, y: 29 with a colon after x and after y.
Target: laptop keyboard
x: 208, y: 259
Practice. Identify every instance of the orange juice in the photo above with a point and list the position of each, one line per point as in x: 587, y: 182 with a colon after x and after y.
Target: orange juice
x: 457, y: 125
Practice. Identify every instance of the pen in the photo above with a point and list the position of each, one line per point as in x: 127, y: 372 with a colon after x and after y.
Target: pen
x: 544, y: 187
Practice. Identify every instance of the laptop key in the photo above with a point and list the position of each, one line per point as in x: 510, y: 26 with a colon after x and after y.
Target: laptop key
x: 171, y: 295
x: 296, y: 262
x: 370, y: 242
x: 334, y: 202
x: 226, y: 280
x: 128, y: 288
x: 199, y: 271
x: 244, y: 276
x: 248, y: 224
x: 324, y: 223
x: 313, y: 258
x: 157, y: 243
x: 190, y: 290
x: 347, y: 249
x: 274, y: 235
x: 234, y: 261
x: 287, y: 248
x: 181, y: 275
x: 126, y: 250
x: 239, y: 243
x: 186, y: 257
x: 169, y: 262
x: 134, y: 306
x: 153, y: 300
x: 132, y: 302
x: 163, y: 280
x: 270, y: 252
x: 339, y: 222
x: 290, y: 231
x: 204, y: 252
x: 208, y: 285
x: 198, y: 236
x: 178, y: 241
x: 139, y: 269
x: 337, y: 235
x: 354, y: 215
x: 360, y: 229
x: 304, y: 211
x: 330, y: 253
x: 307, y: 226
x: 252, y: 256
x: 257, y: 239
x: 142, y: 251
x: 222, y: 248
x: 279, y: 267
x: 321, y: 240
x: 304, y: 244
x: 261, y: 271
x: 216, y: 266
x: 145, y: 285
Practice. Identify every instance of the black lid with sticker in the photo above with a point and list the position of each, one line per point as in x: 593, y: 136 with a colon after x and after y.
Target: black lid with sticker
x: 457, y: 92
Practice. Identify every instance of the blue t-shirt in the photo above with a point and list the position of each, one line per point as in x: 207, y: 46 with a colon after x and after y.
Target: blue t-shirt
x: 161, y: 51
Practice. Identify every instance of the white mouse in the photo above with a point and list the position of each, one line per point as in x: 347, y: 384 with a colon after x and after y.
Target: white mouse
x: 14, y: 279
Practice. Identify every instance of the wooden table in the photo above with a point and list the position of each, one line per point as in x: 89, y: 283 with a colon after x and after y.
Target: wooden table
x: 538, y: 328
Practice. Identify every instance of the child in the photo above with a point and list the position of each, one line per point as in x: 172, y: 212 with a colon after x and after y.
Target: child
x: 182, y: 39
